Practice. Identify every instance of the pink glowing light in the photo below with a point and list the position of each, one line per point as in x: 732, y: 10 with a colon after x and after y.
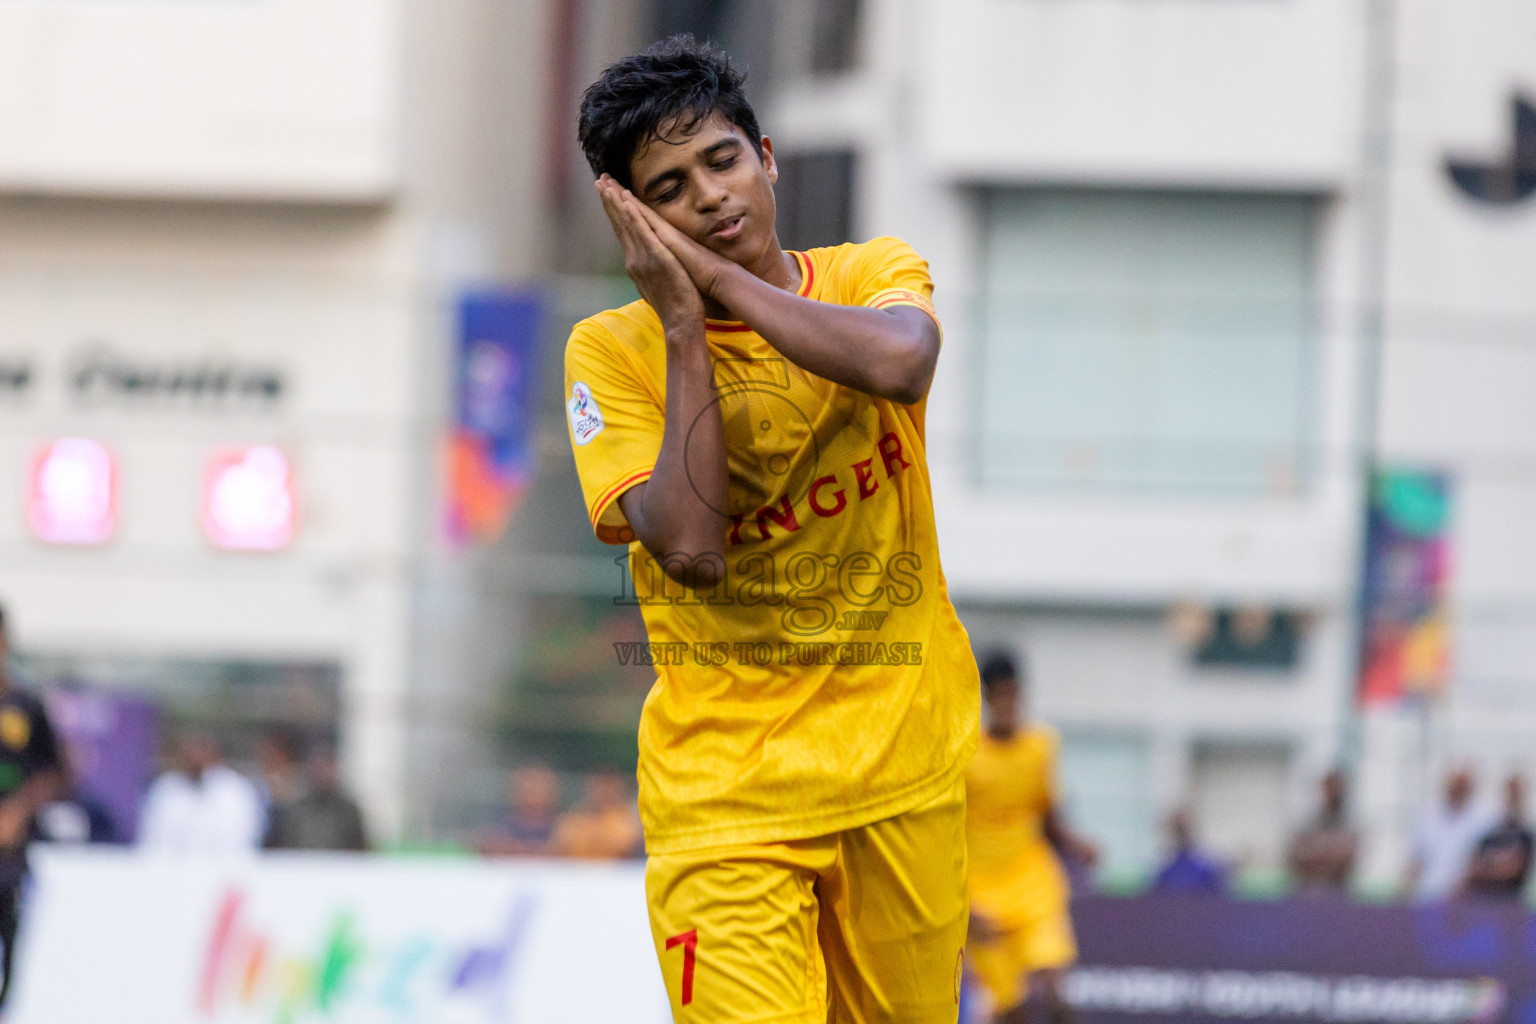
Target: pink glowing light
x: 72, y: 493
x: 249, y: 503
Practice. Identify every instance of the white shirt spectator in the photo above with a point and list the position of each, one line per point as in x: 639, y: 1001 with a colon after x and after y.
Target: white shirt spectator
x: 1444, y: 844
x: 221, y: 813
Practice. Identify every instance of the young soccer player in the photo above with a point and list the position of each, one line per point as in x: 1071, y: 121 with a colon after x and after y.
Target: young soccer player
x: 753, y: 429
x: 1020, y: 928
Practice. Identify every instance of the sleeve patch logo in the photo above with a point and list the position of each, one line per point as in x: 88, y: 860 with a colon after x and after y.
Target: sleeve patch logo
x: 586, y: 417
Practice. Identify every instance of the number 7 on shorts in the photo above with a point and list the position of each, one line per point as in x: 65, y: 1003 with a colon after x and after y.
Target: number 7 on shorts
x: 689, y: 940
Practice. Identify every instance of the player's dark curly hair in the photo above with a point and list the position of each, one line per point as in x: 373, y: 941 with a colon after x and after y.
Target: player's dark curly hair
x: 998, y: 667
x: 673, y: 85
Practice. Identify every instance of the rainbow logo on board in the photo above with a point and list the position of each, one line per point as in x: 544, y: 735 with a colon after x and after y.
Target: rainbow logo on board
x: 349, y: 974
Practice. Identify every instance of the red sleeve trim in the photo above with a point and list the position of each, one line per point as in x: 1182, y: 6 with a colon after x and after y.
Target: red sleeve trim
x: 900, y: 296
x: 611, y: 495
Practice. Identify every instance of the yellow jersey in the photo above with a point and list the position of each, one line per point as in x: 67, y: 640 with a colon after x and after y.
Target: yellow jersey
x: 826, y: 682
x: 1010, y: 784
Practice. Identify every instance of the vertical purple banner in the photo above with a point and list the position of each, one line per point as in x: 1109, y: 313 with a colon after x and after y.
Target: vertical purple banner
x: 491, y: 447
x: 112, y: 740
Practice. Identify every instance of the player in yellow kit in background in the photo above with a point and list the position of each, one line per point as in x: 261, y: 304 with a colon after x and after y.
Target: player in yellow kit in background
x: 1021, y: 930
x: 753, y: 430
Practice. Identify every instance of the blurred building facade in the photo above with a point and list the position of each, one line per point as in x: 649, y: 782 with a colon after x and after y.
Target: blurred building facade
x: 1202, y: 266
x: 1198, y: 264
x: 1142, y: 225
x: 237, y: 227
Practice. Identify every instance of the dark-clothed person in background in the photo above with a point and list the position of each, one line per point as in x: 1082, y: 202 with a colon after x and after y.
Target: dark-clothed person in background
x: 280, y: 762
x: 1188, y: 868
x: 1502, y: 861
x: 324, y: 817
x: 1323, y: 854
x: 30, y: 776
x: 533, y: 808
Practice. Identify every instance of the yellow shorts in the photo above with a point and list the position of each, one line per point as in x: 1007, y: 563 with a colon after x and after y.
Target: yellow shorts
x: 1004, y: 963
x: 865, y: 926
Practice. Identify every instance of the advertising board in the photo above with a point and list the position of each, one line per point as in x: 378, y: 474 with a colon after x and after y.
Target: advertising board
x: 1190, y: 959
x: 289, y: 939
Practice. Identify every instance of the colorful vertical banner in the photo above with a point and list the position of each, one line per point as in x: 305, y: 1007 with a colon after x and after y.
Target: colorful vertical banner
x: 491, y: 448
x: 1405, y: 631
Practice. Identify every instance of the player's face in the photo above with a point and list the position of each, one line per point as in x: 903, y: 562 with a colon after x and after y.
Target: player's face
x: 712, y: 187
x: 1003, y: 703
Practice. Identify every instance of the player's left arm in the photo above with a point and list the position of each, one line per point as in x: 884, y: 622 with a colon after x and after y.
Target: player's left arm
x: 889, y: 353
x: 51, y: 778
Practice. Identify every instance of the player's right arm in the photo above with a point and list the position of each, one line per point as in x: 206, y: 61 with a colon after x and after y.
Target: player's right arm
x: 1067, y: 842
x: 673, y: 513
x: 1064, y: 840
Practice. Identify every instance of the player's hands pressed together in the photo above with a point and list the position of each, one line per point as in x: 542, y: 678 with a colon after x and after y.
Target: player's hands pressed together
x: 887, y: 353
x: 704, y: 267
x: 701, y: 203
x: 659, y: 275
x: 675, y: 514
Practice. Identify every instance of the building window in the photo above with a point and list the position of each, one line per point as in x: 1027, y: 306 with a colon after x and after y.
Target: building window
x: 1105, y: 782
x: 747, y: 30
x: 1145, y: 341
x: 1240, y: 637
x: 835, y: 36
x: 815, y: 199
x: 1239, y: 794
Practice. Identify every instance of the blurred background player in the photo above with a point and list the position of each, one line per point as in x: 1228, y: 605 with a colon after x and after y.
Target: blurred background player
x: 31, y: 774
x: 1021, y: 928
